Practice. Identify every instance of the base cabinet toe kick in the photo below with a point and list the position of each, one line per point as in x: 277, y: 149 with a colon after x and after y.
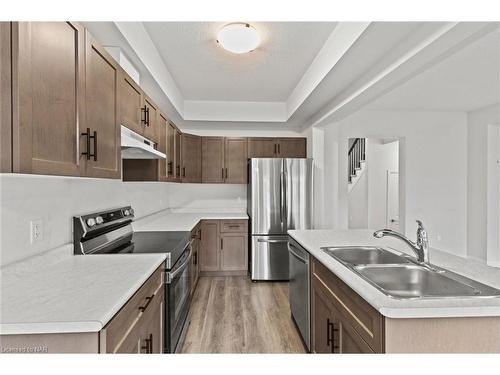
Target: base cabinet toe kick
x: 343, y: 322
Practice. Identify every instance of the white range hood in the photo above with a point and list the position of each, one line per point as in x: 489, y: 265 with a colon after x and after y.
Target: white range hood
x: 135, y: 146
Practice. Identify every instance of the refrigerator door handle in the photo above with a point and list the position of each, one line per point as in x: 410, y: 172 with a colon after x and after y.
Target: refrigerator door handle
x: 282, y: 193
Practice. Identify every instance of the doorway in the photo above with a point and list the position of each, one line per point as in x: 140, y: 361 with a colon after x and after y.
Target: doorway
x: 374, y: 185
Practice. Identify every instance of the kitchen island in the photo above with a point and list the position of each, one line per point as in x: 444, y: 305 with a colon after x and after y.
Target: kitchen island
x: 402, y: 325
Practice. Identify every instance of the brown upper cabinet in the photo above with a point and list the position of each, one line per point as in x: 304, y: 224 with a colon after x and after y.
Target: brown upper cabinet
x: 235, y: 160
x: 191, y: 158
x: 65, y: 102
x: 5, y: 98
x: 150, y: 113
x: 292, y: 148
x: 48, y: 86
x: 212, y: 164
x: 130, y: 103
x: 262, y: 148
x: 138, y: 111
x: 173, y: 160
x: 277, y: 147
x: 162, y: 146
x: 178, y: 154
x: 101, y: 139
x: 224, y: 160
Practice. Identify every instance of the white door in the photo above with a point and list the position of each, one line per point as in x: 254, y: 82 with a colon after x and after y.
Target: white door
x: 392, y: 211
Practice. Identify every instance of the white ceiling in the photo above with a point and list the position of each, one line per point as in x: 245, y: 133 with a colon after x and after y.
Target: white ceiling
x: 465, y: 81
x: 204, y: 71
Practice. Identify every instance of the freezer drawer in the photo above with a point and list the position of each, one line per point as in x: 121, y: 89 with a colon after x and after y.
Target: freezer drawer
x: 269, y: 258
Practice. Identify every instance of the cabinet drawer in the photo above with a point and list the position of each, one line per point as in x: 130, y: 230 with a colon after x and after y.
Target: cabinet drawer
x: 360, y: 315
x: 122, y: 324
x: 234, y: 226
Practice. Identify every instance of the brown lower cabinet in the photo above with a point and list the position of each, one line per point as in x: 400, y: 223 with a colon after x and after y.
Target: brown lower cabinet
x: 136, y: 328
x: 342, y: 322
x: 224, y: 247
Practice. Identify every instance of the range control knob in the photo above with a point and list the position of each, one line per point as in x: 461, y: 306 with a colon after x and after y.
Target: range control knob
x: 99, y: 220
x: 126, y: 213
x: 91, y: 222
x: 131, y: 211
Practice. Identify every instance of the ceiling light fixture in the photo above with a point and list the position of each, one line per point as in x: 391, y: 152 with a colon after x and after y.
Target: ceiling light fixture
x: 238, y: 38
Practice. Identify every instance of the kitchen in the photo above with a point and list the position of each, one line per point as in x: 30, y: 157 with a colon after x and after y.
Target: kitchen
x: 238, y: 183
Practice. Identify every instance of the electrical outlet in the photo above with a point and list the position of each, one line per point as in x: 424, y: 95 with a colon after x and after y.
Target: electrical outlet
x: 36, y: 231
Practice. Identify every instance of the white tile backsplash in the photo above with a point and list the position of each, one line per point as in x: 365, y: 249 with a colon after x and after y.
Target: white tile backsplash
x: 55, y: 200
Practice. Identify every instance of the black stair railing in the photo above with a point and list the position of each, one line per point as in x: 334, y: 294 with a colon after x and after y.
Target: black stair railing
x: 356, y: 155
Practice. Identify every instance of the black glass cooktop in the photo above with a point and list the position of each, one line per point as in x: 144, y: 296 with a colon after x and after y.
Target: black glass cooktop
x: 160, y: 242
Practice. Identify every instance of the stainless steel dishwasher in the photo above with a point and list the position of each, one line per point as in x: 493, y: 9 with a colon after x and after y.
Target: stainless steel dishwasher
x: 299, y: 289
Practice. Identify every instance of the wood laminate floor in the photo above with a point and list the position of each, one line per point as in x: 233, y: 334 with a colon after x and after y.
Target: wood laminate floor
x: 234, y: 315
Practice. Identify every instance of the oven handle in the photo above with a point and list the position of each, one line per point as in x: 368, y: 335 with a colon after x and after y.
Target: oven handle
x: 171, y: 275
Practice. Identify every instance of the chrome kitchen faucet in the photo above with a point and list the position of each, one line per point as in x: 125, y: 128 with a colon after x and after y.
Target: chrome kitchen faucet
x: 421, y: 247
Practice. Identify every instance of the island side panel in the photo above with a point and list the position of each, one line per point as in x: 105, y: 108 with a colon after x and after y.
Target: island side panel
x: 87, y: 342
x: 443, y: 335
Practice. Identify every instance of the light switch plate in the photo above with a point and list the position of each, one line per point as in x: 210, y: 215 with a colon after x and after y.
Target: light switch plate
x: 36, y: 231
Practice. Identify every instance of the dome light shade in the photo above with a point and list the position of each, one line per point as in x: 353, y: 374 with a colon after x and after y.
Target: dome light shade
x: 238, y: 38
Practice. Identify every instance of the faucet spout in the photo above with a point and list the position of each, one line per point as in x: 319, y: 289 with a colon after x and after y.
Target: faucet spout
x: 420, y: 248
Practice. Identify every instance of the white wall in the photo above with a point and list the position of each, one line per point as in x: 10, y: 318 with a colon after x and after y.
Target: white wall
x: 493, y: 197
x: 55, y: 200
x: 358, y: 204
x: 433, y: 163
x: 381, y: 157
x: 477, y: 156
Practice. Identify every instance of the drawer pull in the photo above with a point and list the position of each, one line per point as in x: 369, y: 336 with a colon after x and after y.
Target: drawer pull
x: 233, y: 226
x: 148, y: 301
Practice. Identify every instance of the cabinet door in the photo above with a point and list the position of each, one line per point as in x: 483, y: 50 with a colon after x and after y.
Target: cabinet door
x: 212, y: 159
x: 151, y: 120
x: 233, y: 254
x: 322, y: 323
x: 170, y: 153
x: 162, y: 146
x: 292, y: 148
x: 350, y: 341
x: 262, y: 148
x: 236, y: 157
x: 5, y: 98
x: 102, y: 118
x: 191, y: 158
x: 210, y: 245
x: 130, y: 103
x: 178, y: 154
x: 48, y: 100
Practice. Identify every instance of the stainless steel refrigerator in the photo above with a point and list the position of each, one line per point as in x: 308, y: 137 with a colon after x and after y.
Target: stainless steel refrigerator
x: 279, y: 198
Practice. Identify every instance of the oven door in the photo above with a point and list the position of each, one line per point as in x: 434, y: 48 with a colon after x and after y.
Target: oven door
x: 178, y: 300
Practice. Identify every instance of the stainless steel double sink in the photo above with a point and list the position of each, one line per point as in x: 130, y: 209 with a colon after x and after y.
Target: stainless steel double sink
x: 402, y: 277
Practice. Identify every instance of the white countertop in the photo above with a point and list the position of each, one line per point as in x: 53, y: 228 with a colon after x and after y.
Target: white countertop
x: 69, y: 293
x: 183, y: 219
x: 313, y: 240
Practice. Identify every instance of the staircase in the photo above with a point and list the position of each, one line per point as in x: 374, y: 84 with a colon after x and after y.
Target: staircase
x: 356, y: 159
